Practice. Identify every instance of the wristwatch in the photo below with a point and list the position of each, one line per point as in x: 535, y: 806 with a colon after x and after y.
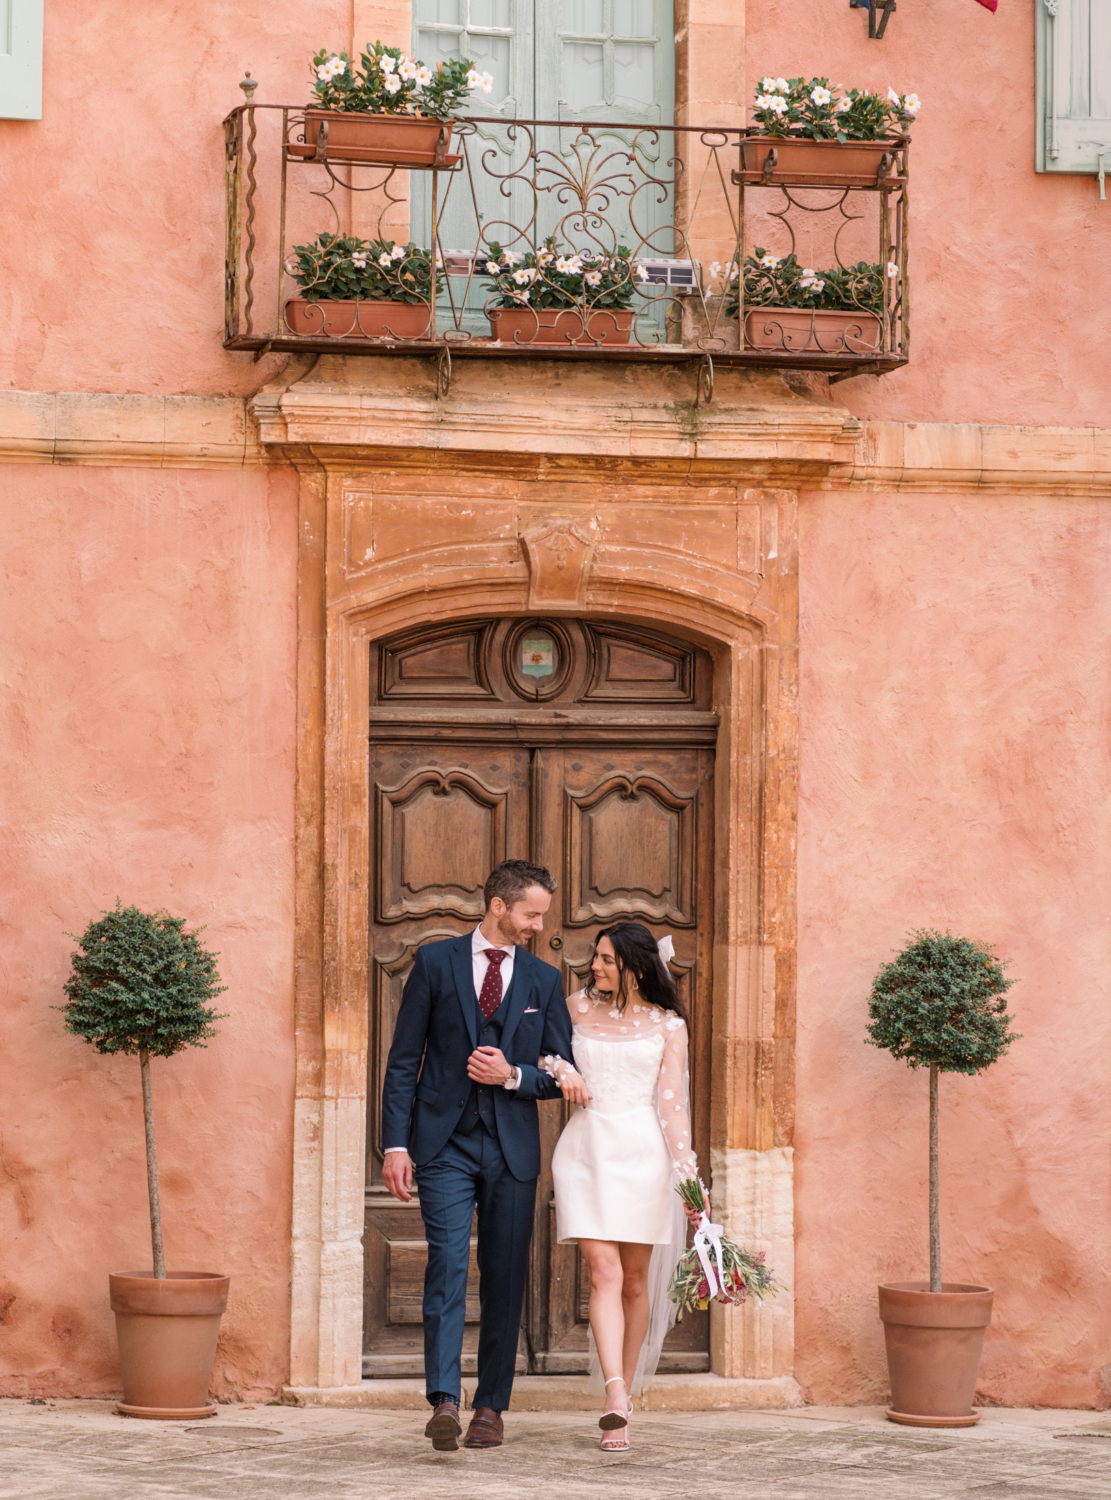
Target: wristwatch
x: 511, y: 1081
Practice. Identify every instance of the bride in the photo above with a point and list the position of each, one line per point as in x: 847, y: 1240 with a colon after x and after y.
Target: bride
x: 619, y: 1159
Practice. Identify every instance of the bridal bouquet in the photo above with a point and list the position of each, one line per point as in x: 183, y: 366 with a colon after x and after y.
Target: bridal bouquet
x: 715, y: 1267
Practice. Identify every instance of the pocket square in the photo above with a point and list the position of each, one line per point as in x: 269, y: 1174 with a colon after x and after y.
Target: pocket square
x: 531, y: 1010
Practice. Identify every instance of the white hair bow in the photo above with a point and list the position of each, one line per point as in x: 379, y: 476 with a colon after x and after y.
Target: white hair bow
x: 666, y: 948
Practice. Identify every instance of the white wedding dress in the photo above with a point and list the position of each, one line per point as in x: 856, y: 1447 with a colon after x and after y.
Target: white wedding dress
x: 618, y: 1161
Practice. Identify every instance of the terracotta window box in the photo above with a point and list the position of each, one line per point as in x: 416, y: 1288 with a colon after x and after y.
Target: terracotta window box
x: 559, y: 325
x: 802, y: 161
x: 357, y: 320
x: 802, y: 330
x: 389, y: 140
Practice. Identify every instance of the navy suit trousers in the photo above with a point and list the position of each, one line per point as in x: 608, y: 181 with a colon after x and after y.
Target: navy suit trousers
x: 468, y: 1173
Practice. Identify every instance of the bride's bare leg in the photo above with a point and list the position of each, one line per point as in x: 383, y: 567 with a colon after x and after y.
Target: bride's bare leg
x: 607, y: 1315
x: 634, y: 1300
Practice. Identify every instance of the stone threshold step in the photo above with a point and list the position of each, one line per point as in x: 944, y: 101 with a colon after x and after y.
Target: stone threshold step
x: 564, y: 1393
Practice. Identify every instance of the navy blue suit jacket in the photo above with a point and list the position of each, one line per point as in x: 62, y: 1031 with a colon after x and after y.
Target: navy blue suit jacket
x: 426, y: 1084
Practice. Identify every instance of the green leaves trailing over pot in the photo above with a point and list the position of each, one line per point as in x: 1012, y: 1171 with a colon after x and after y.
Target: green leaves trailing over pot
x: 141, y: 983
x: 941, y: 1003
x: 342, y: 268
x: 387, y: 82
x: 819, y: 110
x: 551, y: 277
x: 780, y: 281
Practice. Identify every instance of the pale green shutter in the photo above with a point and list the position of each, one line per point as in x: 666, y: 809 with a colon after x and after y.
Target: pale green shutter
x: 606, y: 60
x: 1074, y: 85
x: 21, y: 59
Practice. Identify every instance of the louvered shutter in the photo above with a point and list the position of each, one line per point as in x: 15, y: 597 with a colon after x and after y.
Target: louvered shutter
x: 1074, y: 85
x: 21, y: 59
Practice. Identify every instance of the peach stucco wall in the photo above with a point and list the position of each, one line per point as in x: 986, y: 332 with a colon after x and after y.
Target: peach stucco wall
x: 954, y: 716
x: 147, y: 753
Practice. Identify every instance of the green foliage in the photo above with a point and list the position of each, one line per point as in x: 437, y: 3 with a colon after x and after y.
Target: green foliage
x: 551, y: 277
x: 942, y: 1000
x: 821, y: 111
x: 389, y: 83
x: 342, y: 269
x: 140, y: 980
x: 780, y: 281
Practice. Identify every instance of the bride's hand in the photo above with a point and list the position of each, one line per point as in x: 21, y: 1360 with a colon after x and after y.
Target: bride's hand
x: 574, y: 1087
x: 695, y: 1214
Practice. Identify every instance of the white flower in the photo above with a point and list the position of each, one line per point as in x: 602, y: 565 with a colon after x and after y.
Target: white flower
x: 892, y: 268
x: 820, y: 95
x: 545, y: 258
x: 715, y: 269
x: 843, y: 105
x: 358, y: 259
x: 893, y: 96
x: 521, y: 296
x: 492, y: 267
x: 487, y: 83
x: 582, y: 1007
x: 385, y: 260
x: 615, y: 1013
x: 424, y: 75
x: 387, y: 63
x: 331, y: 69
x: 569, y: 265
x: 732, y: 273
x: 770, y: 261
x: 391, y: 83
x: 782, y: 85
x: 474, y: 79
x: 777, y: 104
x: 673, y: 1023
x: 668, y: 1094
x: 523, y: 276
x: 407, y: 68
x: 292, y: 267
x: 642, y: 271
x: 768, y: 85
x: 509, y: 258
x: 398, y: 253
x: 911, y: 103
x: 594, y: 278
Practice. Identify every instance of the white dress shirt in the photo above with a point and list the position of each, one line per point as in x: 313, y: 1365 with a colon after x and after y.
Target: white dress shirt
x: 479, y: 964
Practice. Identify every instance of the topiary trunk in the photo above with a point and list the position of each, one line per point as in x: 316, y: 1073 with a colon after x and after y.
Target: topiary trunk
x: 935, y: 1215
x: 158, y: 1255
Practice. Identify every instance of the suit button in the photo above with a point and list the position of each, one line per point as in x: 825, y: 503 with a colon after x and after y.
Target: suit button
x: 461, y: 1103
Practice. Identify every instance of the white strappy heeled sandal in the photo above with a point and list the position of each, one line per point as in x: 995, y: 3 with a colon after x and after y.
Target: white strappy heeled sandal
x: 615, y: 1424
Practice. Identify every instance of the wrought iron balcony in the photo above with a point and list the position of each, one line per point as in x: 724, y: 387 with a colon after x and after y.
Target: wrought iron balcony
x: 566, y: 240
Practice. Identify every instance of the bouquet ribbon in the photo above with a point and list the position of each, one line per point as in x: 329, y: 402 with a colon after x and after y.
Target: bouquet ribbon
x: 707, y: 1239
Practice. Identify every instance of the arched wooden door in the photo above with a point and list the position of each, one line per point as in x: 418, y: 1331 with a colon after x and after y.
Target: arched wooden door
x: 588, y: 747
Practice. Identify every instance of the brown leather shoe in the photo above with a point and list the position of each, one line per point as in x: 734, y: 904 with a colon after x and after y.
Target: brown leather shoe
x: 485, y: 1430
x: 444, y: 1427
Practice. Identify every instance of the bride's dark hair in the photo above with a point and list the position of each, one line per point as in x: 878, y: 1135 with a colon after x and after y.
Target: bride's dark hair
x: 638, y: 957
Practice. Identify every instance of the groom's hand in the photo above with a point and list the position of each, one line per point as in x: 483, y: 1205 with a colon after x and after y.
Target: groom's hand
x: 488, y: 1065
x: 397, y: 1174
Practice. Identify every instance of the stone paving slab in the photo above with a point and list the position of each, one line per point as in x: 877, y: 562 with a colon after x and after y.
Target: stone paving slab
x: 82, y: 1450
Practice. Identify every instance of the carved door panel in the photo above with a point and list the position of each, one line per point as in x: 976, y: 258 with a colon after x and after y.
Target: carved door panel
x: 441, y: 820
x: 588, y: 748
x: 628, y: 831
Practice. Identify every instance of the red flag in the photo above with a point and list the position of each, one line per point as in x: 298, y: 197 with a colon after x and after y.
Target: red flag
x: 990, y: 4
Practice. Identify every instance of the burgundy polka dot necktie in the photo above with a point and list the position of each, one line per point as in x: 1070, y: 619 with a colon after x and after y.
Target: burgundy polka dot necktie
x: 490, y: 998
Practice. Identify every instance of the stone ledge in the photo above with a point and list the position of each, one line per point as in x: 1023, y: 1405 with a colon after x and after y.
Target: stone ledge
x: 565, y: 1393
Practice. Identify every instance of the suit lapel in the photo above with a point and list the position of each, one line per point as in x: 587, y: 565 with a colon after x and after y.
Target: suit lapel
x: 462, y: 968
x: 520, y: 991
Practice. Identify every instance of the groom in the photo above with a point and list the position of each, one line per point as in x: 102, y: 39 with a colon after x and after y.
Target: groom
x: 459, y: 1110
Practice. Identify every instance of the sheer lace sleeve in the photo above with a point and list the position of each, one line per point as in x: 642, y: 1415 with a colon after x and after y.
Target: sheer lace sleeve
x: 557, y: 1067
x: 674, y: 1098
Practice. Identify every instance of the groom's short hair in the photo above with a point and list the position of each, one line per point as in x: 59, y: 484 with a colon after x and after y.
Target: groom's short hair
x: 512, y: 878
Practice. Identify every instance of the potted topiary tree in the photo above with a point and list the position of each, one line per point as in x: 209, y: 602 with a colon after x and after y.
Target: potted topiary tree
x: 139, y: 985
x: 940, y: 1004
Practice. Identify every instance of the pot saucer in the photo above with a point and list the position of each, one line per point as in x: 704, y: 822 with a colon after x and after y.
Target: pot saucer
x: 909, y: 1420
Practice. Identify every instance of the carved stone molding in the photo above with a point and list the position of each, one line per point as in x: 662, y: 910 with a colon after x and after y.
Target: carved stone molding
x: 559, y: 553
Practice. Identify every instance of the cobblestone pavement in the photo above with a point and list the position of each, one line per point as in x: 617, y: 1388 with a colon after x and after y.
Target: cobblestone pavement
x: 80, y: 1450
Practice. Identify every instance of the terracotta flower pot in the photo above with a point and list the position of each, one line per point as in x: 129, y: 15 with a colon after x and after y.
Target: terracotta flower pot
x: 398, y: 140
x: 358, y: 320
x: 802, y: 161
x: 934, y: 1341
x: 559, y: 325
x: 801, y: 330
x: 167, y: 1331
